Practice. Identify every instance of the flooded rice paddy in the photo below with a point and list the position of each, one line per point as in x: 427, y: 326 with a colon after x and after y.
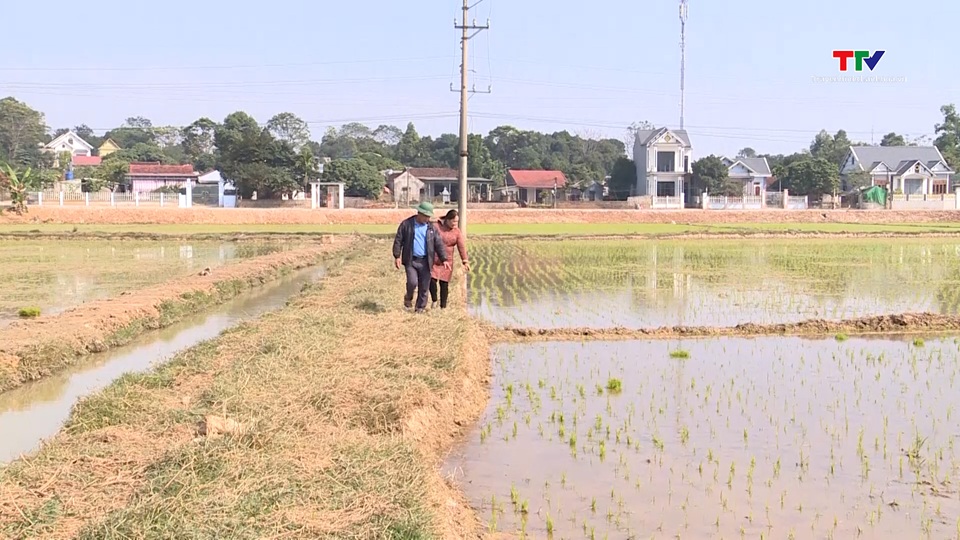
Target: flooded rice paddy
x: 649, y: 283
x: 37, y: 410
x: 55, y: 275
x: 719, y: 438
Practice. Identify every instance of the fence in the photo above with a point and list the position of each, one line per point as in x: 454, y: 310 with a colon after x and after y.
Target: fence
x: 102, y: 198
x: 797, y: 203
x: 667, y: 202
x: 941, y: 201
x: 734, y: 203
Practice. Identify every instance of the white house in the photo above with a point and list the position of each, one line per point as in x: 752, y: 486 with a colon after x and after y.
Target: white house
x: 663, y: 157
x: 69, y: 142
x: 753, y: 173
x: 210, y: 177
x: 913, y: 170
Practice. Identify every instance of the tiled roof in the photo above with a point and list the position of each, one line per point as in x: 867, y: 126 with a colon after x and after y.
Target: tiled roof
x: 87, y: 161
x: 894, y: 156
x: 139, y: 169
x: 536, y: 179
x: 432, y: 172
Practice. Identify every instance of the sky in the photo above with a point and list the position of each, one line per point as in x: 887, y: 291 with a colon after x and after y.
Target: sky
x: 591, y: 68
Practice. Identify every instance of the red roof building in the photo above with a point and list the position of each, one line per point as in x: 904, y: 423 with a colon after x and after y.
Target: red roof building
x: 151, y: 176
x: 536, y: 179
x: 532, y: 187
x: 87, y: 161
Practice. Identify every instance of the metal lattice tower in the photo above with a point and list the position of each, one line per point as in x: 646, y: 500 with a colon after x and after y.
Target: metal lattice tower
x: 683, y: 52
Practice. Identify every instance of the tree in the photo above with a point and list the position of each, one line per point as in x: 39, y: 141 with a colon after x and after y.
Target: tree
x: 831, y: 148
x: 379, y: 162
x: 892, y: 139
x: 198, y: 143
x: 623, y: 178
x: 812, y: 177
x: 360, y: 179
x: 858, y: 179
x: 387, y: 135
x: 747, y: 153
x: 22, y: 131
x: 18, y: 184
x: 410, y: 147
x: 948, y: 136
x: 712, y: 176
x: 306, y: 167
x: 289, y: 128
x: 135, y: 130
x: 631, y: 136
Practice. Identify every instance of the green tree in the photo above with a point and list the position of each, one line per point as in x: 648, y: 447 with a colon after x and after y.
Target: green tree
x: 135, y: 130
x: 410, y: 147
x: 198, y: 143
x: 892, y: 139
x: 711, y: 175
x: 831, y: 148
x: 289, y: 128
x: 948, y: 136
x: 747, y: 153
x: 380, y: 162
x: 858, y: 179
x: 360, y: 179
x: 623, y: 179
x: 812, y: 177
x: 22, y: 131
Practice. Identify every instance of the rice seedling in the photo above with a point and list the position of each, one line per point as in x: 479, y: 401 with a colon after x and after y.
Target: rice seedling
x: 680, y: 354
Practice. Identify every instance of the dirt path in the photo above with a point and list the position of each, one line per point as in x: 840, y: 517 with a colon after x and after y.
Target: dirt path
x: 118, y: 216
x: 309, y: 427
x: 35, y: 348
x: 903, y: 323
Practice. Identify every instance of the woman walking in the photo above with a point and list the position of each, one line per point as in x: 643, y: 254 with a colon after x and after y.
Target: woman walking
x: 450, y: 236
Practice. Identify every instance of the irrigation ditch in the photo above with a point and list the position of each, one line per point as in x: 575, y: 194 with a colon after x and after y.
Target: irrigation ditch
x: 33, y: 349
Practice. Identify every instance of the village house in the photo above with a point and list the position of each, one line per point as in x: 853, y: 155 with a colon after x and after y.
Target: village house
x: 151, y: 176
x: 87, y: 161
x: 911, y: 170
x: 434, y: 184
x: 108, y: 147
x: 532, y: 186
x: 69, y: 142
x: 663, y: 157
x: 752, y: 173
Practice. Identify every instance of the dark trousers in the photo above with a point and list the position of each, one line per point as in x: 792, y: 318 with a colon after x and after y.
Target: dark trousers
x: 444, y: 291
x: 418, y: 278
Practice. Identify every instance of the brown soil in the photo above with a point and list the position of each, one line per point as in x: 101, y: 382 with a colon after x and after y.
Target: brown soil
x: 903, y: 323
x: 233, y: 216
x: 31, y: 349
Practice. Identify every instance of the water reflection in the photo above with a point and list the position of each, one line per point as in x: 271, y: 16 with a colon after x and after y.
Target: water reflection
x: 650, y: 283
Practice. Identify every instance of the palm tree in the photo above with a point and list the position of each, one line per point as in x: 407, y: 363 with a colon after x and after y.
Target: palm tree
x: 19, y: 185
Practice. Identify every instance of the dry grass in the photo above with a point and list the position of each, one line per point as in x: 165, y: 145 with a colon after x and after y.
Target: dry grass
x: 35, y: 348
x: 346, y: 403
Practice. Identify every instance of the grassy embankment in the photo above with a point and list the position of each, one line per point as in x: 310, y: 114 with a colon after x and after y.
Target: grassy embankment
x: 343, y: 404
x: 488, y: 229
x: 39, y: 347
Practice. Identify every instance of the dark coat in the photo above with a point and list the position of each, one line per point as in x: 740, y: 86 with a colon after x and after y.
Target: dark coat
x: 403, y: 243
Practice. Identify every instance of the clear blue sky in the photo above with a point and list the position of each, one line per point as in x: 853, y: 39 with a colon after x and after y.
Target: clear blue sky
x: 589, y: 67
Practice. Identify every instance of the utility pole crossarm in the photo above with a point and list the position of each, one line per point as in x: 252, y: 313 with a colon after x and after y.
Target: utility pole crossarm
x: 464, y: 92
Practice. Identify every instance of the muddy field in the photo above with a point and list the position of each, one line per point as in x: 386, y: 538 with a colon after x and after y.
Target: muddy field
x: 377, y: 216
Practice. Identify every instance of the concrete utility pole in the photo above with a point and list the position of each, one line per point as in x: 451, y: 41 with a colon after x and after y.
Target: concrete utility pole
x: 462, y: 176
x: 683, y: 53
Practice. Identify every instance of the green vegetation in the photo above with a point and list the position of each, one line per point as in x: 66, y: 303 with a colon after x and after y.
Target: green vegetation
x: 28, y: 312
x: 680, y: 354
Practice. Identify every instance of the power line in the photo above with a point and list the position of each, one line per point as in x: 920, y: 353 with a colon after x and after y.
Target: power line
x: 220, y: 67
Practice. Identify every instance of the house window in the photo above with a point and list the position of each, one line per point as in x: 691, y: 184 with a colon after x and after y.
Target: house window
x: 939, y: 188
x: 686, y: 164
x: 916, y: 168
x: 666, y: 162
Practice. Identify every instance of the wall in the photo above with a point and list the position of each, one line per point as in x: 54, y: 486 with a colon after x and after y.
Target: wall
x: 614, y: 205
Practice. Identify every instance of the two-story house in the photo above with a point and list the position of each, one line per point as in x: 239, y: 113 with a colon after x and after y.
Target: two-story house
x: 663, y: 157
x: 69, y: 142
x: 913, y: 170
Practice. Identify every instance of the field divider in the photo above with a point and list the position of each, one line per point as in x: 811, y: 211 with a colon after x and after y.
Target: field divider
x: 310, y: 422
x: 33, y: 349
x: 900, y: 323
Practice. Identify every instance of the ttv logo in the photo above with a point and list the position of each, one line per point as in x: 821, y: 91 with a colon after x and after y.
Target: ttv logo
x: 862, y: 57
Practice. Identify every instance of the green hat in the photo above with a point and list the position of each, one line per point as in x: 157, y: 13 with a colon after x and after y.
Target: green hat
x: 425, y: 208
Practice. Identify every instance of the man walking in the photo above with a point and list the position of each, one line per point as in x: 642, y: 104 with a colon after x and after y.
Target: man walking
x: 415, y: 246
